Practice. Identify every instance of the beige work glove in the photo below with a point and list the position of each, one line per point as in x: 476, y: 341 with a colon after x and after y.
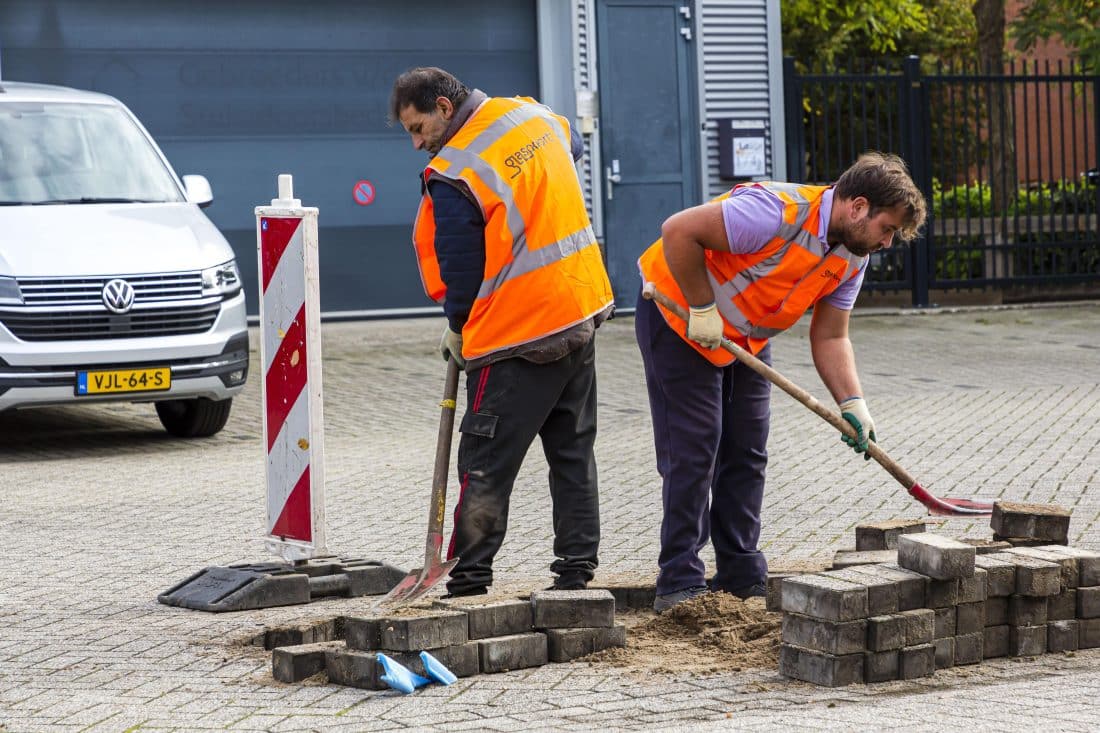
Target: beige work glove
x: 450, y: 346
x: 705, y: 325
x: 855, y: 411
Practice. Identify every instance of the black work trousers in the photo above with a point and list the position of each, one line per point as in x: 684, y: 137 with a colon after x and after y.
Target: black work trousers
x: 508, y: 403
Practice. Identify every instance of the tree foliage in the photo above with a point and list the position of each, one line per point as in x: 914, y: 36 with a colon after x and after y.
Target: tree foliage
x: 821, y: 33
x: 1075, y: 22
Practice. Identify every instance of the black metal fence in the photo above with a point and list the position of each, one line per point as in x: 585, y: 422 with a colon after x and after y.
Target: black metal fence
x: 1007, y: 162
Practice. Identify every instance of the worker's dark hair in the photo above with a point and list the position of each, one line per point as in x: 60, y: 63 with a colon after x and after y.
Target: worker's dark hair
x: 420, y: 87
x: 883, y: 179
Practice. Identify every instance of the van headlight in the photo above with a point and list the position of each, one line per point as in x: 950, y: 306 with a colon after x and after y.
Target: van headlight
x: 9, y: 292
x: 221, y: 280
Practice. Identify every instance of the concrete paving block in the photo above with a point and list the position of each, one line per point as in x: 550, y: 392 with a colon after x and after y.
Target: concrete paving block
x: 975, y: 587
x: 295, y: 663
x: 372, y: 579
x: 1034, y: 577
x: 916, y: 661
x: 941, y: 593
x: 823, y: 597
x: 1063, y: 636
x: 518, y: 651
x: 1088, y: 562
x: 911, y: 586
x: 1038, y: 521
x: 985, y: 546
x: 298, y: 634
x: 1027, y: 610
x: 563, y: 645
x: 499, y: 618
x: 1022, y: 541
x: 944, y: 652
x: 884, y: 535
x: 1027, y: 641
x: 363, y: 633
x: 1070, y: 573
x: 579, y: 609
x: 631, y: 597
x: 920, y: 626
x: 880, y: 666
x: 1000, y: 575
x: 1088, y: 602
x: 945, y: 622
x: 969, y: 618
x: 1089, y: 637
x: 774, y: 600
x: 941, y: 558
x: 995, y: 641
x: 827, y: 670
x: 882, y: 593
x: 996, y: 611
x: 434, y: 630
x: 358, y: 668
x: 1063, y: 606
x: 969, y: 648
x: 851, y: 558
x: 886, y: 632
x: 847, y: 637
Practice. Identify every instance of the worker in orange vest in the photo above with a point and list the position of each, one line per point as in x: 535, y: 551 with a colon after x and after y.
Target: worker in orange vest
x: 746, y: 267
x: 504, y: 243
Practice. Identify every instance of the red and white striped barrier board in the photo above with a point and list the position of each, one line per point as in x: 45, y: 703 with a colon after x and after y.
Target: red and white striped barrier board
x: 290, y: 350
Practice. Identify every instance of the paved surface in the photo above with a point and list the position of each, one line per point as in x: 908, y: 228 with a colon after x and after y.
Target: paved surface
x: 101, y: 511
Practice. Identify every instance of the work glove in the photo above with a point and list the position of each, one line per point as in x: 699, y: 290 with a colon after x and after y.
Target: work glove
x: 854, y: 410
x: 705, y: 326
x: 450, y: 346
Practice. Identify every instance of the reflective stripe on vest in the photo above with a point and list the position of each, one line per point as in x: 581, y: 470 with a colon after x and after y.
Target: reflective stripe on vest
x: 566, y: 274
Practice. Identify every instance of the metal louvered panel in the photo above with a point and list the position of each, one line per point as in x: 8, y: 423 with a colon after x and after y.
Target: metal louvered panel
x: 735, y: 54
x: 584, y: 59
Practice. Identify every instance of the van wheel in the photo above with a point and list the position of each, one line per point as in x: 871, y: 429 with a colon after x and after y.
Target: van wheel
x: 197, y: 418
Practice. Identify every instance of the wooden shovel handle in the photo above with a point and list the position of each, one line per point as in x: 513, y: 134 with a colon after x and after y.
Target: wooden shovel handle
x: 433, y: 547
x: 650, y: 292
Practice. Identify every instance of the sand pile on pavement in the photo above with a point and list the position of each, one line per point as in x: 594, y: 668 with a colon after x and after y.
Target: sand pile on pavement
x: 710, y: 634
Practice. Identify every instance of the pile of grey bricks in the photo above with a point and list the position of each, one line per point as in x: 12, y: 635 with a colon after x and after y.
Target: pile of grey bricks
x: 907, y: 602
x: 469, y: 637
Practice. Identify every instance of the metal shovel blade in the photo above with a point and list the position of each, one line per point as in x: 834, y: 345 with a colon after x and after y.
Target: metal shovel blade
x: 416, y: 584
x: 946, y: 507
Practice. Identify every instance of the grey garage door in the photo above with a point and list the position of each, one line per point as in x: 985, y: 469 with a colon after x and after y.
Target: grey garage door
x: 243, y: 91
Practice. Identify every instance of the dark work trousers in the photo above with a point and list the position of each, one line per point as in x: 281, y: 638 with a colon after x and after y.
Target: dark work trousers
x: 508, y: 403
x: 710, y: 427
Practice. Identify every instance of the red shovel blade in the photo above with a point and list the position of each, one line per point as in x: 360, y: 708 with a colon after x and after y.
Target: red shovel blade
x: 950, y: 507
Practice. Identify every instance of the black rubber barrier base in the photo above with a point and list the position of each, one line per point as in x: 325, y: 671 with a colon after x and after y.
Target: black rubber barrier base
x: 263, y: 585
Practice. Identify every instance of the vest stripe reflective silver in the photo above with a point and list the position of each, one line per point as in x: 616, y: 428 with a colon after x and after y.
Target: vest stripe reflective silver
x: 523, y: 259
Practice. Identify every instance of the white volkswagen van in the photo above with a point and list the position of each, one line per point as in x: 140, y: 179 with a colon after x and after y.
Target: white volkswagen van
x: 113, y: 283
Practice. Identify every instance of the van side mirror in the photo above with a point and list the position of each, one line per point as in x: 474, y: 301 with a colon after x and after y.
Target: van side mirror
x: 198, y: 190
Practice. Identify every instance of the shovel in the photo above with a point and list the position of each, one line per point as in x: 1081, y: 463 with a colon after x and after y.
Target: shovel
x: 937, y: 506
x: 421, y: 580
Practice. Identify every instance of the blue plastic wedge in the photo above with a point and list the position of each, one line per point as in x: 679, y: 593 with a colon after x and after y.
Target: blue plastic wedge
x: 437, y: 670
x: 400, y: 677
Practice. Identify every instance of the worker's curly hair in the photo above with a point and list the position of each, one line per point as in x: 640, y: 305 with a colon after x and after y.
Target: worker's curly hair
x: 420, y: 87
x: 883, y: 179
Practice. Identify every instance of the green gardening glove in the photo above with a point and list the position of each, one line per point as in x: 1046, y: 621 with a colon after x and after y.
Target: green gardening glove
x: 855, y: 411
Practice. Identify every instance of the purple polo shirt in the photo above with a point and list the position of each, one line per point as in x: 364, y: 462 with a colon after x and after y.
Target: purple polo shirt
x: 753, y: 216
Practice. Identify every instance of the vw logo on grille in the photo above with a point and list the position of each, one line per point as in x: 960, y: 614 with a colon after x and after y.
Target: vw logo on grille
x: 118, y: 296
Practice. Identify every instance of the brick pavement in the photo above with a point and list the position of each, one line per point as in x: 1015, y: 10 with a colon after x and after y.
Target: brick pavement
x: 101, y: 511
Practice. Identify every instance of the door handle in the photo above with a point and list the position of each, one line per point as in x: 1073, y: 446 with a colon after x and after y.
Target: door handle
x: 613, y: 177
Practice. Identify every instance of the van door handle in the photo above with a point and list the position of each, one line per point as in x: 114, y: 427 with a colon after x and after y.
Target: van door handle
x: 613, y: 177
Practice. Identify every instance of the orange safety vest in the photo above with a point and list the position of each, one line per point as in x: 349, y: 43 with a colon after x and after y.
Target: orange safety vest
x: 544, y: 270
x: 763, y: 293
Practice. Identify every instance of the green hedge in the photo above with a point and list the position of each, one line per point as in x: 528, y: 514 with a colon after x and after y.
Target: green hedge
x: 975, y: 199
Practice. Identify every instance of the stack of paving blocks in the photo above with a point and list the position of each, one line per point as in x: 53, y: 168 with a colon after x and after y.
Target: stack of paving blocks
x: 942, y: 603
x: 467, y: 636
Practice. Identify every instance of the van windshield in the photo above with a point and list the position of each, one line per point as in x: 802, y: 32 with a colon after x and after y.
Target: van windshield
x: 78, y: 153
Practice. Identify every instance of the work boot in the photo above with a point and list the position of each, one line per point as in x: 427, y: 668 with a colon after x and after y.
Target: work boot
x: 756, y: 590
x: 467, y: 592
x: 666, y: 601
x: 570, y: 580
